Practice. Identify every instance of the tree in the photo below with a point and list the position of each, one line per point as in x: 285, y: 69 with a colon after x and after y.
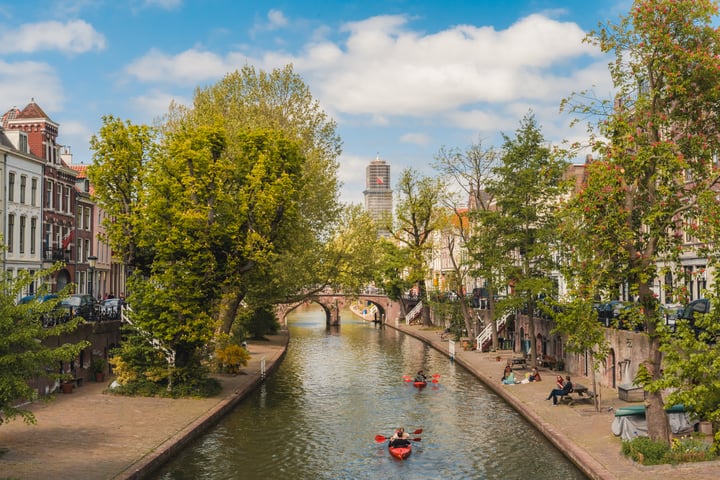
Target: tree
x: 527, y: 186
x: 417, y: 216
x: 657, y: 174
x: 276, y: 101
x: 470, y: 170
x: 25, y: 352
x: 121, y: 152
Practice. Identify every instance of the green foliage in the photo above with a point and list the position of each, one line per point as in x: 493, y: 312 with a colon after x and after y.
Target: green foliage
x: 259, y: 321
x: 229, y: 356
x: 526, y: 186
x: 650, y: 452
x: 658, y: 141
x: 25, y: 350
x: 417, y: 216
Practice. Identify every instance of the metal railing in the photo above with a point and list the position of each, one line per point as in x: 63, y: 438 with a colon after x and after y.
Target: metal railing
x: 413, y: 314
x: 486, y: 333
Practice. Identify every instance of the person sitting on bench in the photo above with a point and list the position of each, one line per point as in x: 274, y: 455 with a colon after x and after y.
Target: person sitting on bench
x: 561, y: 392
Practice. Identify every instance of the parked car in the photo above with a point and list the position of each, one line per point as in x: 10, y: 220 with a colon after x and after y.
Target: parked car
x: 110, y: 308
x: 42, y: 299
x: 80, y: 305
x: 701, y: 305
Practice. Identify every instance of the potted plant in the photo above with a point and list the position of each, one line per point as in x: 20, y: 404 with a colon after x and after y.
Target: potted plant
x: 97, y: 366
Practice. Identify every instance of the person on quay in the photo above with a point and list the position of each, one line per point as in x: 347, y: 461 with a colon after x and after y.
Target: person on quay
x: 561, y: 392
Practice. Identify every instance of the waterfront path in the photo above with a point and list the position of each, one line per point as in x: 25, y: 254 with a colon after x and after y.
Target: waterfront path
x: 580, y: 432
x: 91, y: 435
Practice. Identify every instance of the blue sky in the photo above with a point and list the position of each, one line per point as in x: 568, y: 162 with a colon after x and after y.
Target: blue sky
x: 402, y: 78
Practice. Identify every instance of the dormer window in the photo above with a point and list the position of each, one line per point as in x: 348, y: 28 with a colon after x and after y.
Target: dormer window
x: 23, y: 142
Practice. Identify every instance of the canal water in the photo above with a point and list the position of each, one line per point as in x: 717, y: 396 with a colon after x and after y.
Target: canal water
x: 316, y: 417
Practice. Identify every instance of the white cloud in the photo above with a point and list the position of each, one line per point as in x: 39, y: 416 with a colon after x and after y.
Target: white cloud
x: 75, y: 36
x: 22, y: 81
x: 186, y: 68
x: 416, y: 138
x: 276, y: 19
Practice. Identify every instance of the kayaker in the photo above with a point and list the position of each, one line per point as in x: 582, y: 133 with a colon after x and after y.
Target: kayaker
x: 400, y: 438
x: 420, y: 377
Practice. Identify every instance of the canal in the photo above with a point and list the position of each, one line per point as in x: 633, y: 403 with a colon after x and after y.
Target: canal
x: 316, y: 417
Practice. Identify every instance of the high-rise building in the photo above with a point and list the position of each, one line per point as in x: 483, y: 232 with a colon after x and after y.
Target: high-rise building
x: 378, y: 193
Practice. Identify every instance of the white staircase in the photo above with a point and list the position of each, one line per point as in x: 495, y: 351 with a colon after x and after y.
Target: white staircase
x: 413, y: 314
x: 486, y: 334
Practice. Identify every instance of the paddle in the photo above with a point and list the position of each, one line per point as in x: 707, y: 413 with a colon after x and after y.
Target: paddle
x: 409, y: 378
x: 381, y: 438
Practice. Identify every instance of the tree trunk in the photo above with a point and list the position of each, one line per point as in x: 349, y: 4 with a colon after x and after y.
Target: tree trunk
x: 467, y: 314
x: 228, y: 311
x: 531, y: 328
x: 491, y: 312
x: 422, y: 294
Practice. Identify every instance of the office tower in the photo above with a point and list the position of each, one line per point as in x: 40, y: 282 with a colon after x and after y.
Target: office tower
x: 378, y: 193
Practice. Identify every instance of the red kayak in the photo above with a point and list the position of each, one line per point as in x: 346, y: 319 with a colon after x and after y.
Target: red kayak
x: 420, y: 384
x: 401, y: 453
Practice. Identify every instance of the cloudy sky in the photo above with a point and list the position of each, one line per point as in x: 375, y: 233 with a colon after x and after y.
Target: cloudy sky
x: 402, y: 78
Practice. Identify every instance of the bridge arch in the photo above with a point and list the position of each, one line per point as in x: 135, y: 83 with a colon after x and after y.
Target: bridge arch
x: 332, y: 304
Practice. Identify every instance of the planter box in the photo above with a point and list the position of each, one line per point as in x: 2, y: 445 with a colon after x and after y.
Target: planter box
x: 631, y: 393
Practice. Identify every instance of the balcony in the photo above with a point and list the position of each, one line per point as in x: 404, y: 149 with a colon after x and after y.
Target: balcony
x: 56, y: 255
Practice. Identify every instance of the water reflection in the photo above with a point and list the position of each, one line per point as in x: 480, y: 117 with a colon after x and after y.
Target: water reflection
x: 317, y: 416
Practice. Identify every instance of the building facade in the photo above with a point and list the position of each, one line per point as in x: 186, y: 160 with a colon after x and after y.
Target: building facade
x: 378, y: 192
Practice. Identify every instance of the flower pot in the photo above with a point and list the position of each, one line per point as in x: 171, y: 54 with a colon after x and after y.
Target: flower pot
x: 497, y: 358
x: 99, y: 376
x: 67, y: 387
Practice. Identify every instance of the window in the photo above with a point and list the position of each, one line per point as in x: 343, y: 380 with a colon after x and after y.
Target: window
x: 23, y: 186
x: 86, y: 219
x: 22, y: 233
x: 33, y: 192
x: 10, y: 232
x: 58, y: 196
x: 66, y: 200
x: 33, y: 235
x: 48, y: 194
x: 81, y: 252
x: 23, y: 147
x: 11, y: 186
x: 48, y: 237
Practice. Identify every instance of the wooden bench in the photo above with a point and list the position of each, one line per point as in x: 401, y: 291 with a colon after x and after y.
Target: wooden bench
x: 521, y: 361
x: 579, y: 393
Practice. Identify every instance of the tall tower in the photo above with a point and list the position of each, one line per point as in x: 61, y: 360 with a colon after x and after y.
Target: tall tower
x: 378, y: 194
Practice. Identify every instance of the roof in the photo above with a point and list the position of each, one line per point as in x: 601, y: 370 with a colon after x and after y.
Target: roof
x: 32, y: 110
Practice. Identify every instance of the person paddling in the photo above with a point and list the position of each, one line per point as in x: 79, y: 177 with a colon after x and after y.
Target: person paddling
x: 400, y: 438
x: 420, y: 377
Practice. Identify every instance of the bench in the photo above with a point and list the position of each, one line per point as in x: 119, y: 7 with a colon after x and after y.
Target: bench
x: 521, y: 361
x: 76, y: 381
x: 579, y: 393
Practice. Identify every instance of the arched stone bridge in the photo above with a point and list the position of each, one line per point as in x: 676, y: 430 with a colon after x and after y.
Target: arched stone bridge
x: 333, y: 303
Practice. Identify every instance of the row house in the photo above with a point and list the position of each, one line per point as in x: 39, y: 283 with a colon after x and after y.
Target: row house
x: 48, y: 212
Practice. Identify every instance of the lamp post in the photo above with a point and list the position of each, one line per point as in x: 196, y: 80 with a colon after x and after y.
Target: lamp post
x: 92, y: 259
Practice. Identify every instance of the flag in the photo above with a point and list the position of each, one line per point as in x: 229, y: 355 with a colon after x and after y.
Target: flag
x: 379, y: 180
x: 68, y: 238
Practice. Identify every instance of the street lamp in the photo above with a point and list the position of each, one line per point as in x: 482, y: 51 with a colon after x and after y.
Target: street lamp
x: 92, y: 259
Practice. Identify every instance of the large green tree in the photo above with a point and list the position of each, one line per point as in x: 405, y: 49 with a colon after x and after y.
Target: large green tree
x: 657, y: 175
x: 527, y: 187
x: 277, y: 101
